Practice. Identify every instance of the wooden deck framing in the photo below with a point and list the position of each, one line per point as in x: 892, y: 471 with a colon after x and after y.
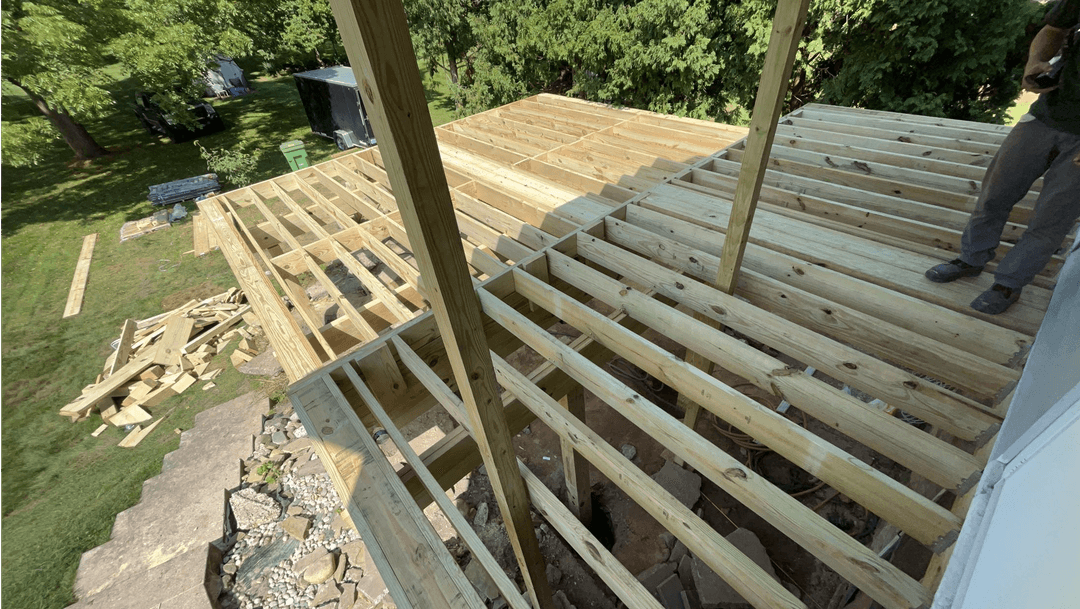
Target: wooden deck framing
x: 522, y: 176
x: 561, y: 202
x: 855, y: 205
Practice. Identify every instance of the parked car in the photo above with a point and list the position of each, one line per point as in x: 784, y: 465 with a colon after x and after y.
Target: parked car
x: 157, y: 121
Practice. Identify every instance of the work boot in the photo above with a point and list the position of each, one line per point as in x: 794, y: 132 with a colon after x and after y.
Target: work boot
x: 951, y: 271
x: 996, y: 300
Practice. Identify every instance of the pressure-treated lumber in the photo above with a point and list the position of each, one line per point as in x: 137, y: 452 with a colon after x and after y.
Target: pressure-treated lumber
x: 575, y: 467
x: 896, y: 387
x: 655, y: 231
x: 683, y: 523
x: 852, y: 560
x: 123, y: 348
x: 376, y: 36
x: 783, y: 44
x: 506, y: 586
x: 749, y: 580
x: 137, y: 435
x: 929, y: 523
x: 176, y: 336
x: 296, y: 357
x: 82, y: 275
x: 104, y: 389
x: 922, y: 453
x: 412, y: 564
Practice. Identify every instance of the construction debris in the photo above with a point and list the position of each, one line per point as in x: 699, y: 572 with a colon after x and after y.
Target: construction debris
x: 157, y: 358
x: 145, y: 226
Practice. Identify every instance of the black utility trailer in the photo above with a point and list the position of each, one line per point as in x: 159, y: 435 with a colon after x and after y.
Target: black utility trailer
x: 333, y: 106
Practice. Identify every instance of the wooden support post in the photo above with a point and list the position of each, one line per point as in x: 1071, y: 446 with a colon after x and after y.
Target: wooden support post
x: 783, y: 43
x: 376, y: 37
x: 575, y: 466
x: 772, y: 89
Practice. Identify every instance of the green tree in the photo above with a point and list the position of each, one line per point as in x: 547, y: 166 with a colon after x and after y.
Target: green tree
x: 955, y: 58
x: 167, y: 46
x: 52, y: 52
x: 442, y: 31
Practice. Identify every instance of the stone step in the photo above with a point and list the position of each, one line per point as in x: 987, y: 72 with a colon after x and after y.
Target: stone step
x: 182, y: 509
x: 188, y: 581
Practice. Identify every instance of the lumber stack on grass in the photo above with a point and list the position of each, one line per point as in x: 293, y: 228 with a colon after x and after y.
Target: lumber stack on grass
x: 162, y: 356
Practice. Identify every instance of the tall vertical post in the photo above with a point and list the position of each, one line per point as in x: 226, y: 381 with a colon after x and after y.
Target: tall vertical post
x: 772, y: 89
x: 783, y: 43
x: 376, y: 37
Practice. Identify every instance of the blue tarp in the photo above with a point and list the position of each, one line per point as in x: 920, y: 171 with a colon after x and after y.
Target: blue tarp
x: 183, y: 190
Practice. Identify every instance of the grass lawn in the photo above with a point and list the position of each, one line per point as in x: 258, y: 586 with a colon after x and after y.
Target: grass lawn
x: 61, y: 487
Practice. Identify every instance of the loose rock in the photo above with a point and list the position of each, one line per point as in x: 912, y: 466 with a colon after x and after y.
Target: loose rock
x: 253, y: 509
x: 296, y: 526
x: 321, y: 570
x: 481, y: 516
x: 683, y: 484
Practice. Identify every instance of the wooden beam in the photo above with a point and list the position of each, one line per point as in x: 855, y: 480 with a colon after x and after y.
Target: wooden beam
x: 82, y: 275
x: 417, y: 568
x: 939, y: 461
x: 799, y: 338
x: 922, y: 519
x: 479, y: 551
x: 376, y: 37
x: 574, y: 532
x: 727, y: 561
x: 783, y: 43
x: 849, y: 558
x: 298, y: 357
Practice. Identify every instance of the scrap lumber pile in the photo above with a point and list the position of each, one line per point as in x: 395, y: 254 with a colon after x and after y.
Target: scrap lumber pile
x: 160, y: 357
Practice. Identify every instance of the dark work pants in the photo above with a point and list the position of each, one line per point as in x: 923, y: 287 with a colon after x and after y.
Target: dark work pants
x: 1031, y: 149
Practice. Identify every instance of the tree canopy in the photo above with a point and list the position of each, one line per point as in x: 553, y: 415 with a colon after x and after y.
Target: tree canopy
x: 702, y: 58
x: 955, y: 58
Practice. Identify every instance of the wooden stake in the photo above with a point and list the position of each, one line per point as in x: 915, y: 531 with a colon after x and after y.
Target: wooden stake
x: 376, y: 37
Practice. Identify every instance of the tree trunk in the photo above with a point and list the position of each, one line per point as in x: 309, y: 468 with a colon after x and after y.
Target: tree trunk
x: 77, y: 137
x: 451, y: 63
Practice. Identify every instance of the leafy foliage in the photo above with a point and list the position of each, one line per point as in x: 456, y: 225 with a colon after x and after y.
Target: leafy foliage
x: 167, y: 46
x: 22, y: 141
x: 956, y: 58
x: 52, y: 48
x: 237, y: 166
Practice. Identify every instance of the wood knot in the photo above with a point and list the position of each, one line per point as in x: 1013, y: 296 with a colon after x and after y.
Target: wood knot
x: 732, y: 473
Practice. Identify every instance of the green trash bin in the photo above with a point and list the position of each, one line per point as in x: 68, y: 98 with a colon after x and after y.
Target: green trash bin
x: 295, y: 154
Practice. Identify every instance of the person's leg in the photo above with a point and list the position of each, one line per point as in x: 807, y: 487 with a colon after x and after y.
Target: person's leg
x: 1056, y: 212
x: 1023, y: 157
